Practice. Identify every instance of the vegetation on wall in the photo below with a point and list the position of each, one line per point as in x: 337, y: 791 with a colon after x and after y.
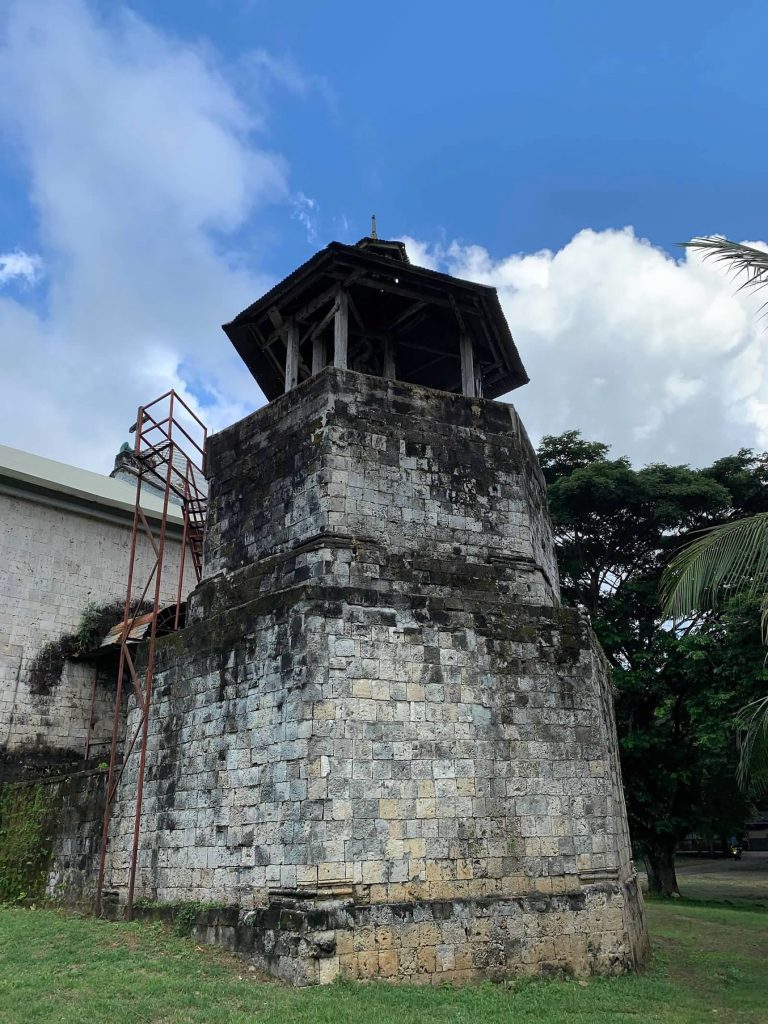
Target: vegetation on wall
x: 25, y: 841
x: 47, y: 665
x: 183, y: 916
x: 96, y: 620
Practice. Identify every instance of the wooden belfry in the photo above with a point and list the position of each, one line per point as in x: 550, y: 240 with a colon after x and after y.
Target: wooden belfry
x: 364, y: 307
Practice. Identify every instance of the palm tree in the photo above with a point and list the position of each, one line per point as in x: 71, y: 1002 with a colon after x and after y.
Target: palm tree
x: 730, y: 559
x: 741, y: 260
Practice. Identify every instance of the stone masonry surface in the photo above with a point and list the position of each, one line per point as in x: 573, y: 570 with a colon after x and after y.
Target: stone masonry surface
x: 71, y: 833
x: 381, y: 737
x: 53, y: 562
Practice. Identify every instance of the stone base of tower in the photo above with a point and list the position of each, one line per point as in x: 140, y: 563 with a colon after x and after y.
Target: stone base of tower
x: 307, y: 939
x: 380, y: 736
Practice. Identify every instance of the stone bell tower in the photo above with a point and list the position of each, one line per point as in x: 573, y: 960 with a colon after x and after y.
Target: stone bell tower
x: 381, y: 740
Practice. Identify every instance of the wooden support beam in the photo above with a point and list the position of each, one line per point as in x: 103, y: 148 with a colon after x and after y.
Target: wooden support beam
x: 319, y: 328
x: 326, y: 296
x: 426, y: 366
x: 318, y: 354
x: 275, y: 316
x: 432, y: 298
x: 341, y: 330
x: 457, y: 312
x: 467, y: 366
x: 291, y: 355
x: 411, y: 311
x: 390, y: 371
x: 268, y: 351
x: 317, y: 303
x: 353, y: 310
x: 417, y: 346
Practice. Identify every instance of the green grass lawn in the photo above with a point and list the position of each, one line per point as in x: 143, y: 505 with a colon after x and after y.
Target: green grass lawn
x: 709, y: 964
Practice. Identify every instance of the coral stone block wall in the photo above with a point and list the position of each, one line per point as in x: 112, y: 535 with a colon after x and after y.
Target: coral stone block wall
x: 381, y: 736
x: 426, y: 474
x: 50, y: 832
x: 54, y: 562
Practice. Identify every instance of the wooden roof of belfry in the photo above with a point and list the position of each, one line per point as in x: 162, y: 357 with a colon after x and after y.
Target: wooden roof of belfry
x: 422, y: 309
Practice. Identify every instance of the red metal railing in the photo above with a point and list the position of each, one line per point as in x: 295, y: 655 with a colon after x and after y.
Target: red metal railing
x: 171, y: 459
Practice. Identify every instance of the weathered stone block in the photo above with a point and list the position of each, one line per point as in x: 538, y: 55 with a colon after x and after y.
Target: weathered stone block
x: 391, y: 715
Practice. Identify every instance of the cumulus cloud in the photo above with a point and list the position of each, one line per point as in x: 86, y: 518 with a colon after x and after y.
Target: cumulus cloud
x: 145, y: 168
x: 662, y: 358
x: 19, y: 265
x: 142, y: 162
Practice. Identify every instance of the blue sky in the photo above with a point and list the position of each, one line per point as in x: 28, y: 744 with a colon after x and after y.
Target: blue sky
x: 515, y: 124
x: 162, y: 163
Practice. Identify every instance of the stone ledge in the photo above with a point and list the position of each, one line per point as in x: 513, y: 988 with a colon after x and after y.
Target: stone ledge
x: 307, y: 939
x: 495, y: 578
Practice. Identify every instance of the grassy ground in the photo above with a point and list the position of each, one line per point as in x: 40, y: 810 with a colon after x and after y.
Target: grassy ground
x: 709, y: 964
x: 742, y: 881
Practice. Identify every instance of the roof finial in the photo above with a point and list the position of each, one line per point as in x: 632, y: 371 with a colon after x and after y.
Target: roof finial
x: 373, y: 226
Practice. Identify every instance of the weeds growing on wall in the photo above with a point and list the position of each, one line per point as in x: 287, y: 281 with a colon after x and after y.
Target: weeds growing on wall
x: 95, y: 622
x: 47, y: 665
x: 25, y: 841
x: 184, y: 916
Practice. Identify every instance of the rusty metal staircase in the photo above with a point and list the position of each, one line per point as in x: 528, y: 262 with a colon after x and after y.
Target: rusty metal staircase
x: 169, y: 461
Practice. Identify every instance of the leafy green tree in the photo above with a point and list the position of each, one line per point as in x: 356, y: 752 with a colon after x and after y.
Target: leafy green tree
x: 677, y: 689
x: 731, y: 558
x: 728, y: 561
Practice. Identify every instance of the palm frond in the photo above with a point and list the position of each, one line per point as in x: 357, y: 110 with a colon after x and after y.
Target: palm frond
x: 753, y: 747
x: 727, y: 560
x: 742, y: 260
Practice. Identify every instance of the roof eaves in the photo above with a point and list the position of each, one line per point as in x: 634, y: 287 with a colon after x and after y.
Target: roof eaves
x: 27, y: 473
x: 287, y: 283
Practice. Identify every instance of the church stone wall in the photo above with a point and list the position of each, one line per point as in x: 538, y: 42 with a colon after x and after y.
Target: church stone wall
x: 381, y: 737
x: 53, y: 563
x: 69, y: 809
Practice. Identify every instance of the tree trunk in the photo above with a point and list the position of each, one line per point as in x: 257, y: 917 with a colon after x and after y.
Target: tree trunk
x: 660, y: 865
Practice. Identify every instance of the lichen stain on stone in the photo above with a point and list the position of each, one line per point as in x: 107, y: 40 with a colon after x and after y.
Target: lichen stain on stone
x: 380, y: 736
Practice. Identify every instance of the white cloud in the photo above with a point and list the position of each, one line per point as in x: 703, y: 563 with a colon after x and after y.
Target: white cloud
x: 661, y: 358
x: 305, y: 211
x: 20, y: 264
x: 141, y: 160
x: 680, y: 389
x: 281, y: 71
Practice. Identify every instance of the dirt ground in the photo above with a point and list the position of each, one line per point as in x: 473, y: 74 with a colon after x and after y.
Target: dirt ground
x: 720, y: 878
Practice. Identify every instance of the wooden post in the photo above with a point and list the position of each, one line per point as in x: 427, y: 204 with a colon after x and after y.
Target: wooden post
x: 291, y: 355
x: 341, y: 330
x: 318, y: 354
x: 390, y: 371
x: 467, y: 366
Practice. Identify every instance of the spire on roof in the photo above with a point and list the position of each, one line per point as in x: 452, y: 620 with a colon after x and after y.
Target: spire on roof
x: 394, y: 250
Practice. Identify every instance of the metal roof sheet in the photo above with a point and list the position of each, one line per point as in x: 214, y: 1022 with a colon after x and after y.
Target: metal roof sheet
x: 37, y: 474
x: 142, y: 625
x: 321, y: 269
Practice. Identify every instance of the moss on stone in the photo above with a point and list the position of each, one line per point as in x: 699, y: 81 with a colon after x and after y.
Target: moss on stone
x: 25, y: 841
